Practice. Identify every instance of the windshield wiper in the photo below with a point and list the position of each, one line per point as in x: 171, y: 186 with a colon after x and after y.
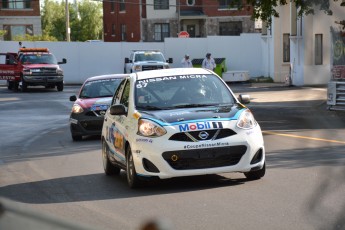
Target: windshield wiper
x: 149, y: 107
x: 194, y: 105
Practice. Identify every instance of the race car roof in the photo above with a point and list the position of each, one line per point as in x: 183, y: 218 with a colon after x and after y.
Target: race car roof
x: 107, y: 76
x: 171, y: 72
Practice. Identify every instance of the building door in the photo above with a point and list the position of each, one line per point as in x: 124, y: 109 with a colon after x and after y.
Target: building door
x: 191, y: 30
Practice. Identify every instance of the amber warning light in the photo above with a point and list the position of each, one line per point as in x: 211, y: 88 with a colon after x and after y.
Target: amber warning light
x: 33, y: 50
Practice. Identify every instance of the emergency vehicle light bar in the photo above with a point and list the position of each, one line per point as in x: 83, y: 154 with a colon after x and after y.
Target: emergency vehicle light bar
x: 33, y: 50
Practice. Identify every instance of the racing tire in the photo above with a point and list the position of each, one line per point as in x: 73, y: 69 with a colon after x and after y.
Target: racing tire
x: 24, y: 86
x: 256, y: 175
x: 108, y: 167
x: 132, y: 178
x: 76, y: 137
x: 59, y: 86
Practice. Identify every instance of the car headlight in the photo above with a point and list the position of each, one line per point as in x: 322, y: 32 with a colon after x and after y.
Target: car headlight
x: 246, y: 120
x: 149, y: 128
x: 26, y: 71
x: 77, y: 109
x: 137, y: 67
x: 59, y: 71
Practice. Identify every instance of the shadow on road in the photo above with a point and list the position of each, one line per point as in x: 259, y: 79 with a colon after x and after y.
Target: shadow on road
x: 101, y: 187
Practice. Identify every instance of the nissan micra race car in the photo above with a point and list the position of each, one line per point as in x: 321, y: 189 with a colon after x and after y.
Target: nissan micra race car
x: 89, y: 106
x: 180, y: 122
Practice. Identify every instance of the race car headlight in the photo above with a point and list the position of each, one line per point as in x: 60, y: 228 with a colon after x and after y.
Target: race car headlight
x: 77, y: 109
x: 246, y: 120
x: 137, y: 67
x: 149, y: 128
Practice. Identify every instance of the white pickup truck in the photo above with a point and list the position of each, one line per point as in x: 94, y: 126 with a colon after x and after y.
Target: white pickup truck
x: 141, y: 60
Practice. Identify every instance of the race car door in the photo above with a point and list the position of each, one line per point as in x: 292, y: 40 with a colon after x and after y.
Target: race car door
x: 115, y: 128
x: 8, y: 67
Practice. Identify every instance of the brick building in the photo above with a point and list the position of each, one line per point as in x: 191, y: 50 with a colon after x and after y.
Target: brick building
x: 153, y: 20
x: 19, y: 17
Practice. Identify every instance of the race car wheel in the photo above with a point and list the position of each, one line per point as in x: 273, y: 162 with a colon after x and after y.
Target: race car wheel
x: 109, y: 168
x: 132, y: 178
x: 76, y: 137
x: 255, y: 175
x: 59, y: 86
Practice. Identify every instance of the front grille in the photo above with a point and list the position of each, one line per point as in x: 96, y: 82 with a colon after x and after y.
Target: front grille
x: 205, y: 158
x: 151, y: 67
x: 45, y: 72
x: 97, y: 113
x: 196, y: 136
x: 92, y: 125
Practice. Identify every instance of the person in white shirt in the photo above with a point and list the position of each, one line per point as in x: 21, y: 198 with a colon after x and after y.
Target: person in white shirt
x: 186, y: 62
x: 209, y: 63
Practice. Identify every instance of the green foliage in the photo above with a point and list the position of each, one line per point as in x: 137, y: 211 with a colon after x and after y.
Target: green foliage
x: 2, y: 33
x: 85, y: 20
x: 265, y: 9
x: 28, y: 37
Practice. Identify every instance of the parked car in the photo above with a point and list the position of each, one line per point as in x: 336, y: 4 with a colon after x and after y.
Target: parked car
x: 180, y: 122
x: 91, y: 103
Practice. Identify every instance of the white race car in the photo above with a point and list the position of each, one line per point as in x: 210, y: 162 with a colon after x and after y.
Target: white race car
x: 180, y: 122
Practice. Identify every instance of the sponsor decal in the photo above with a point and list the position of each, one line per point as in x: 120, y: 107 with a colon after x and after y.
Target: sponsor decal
x: 143, y: 83
x: 7, y: 77
x: 99, y: 107
x: 144, y: 140
x: 200, y: 126
x: 207, y: 145
x: 250, y: 132
x: 178, y: 113
x: 73, y: 121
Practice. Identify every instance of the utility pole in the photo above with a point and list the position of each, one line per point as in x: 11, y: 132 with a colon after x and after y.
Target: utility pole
x: 68, y: 30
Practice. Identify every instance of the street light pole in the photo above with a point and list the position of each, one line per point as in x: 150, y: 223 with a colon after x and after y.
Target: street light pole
x: 68, y: 30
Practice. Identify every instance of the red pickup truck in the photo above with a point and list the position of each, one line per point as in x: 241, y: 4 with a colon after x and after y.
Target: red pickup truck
x: 31, y: 67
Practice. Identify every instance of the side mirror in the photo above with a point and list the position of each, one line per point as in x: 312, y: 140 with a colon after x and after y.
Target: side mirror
x: 73, y: 98
x: 64, y: 61
x: 126, y: 60
x: 170, y: 60
x: 244, y: 98
x: 118, y: 110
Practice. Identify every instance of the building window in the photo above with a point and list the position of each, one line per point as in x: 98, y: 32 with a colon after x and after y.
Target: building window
x: 190, y: 2
x: 112, y: 29
x: 122, y: 5
x: 16, y: 4
x: 161, y: 31
x: 161, y: 4
x: 123, y: 32
x: 112, y: 6
x: 17, y: 30
x: 286, y: 47
x: 228, y: 4
x: 230, y: 28
x: 318, y: 49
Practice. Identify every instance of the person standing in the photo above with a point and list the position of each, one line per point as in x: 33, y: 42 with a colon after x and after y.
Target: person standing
x: 209, y: 62
x: 186, y: 62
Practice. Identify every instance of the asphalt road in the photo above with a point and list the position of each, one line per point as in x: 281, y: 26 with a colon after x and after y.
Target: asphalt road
x: 42, y: 169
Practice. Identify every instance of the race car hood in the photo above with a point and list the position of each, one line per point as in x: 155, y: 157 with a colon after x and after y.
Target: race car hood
x: 191, y: 114
x: 92, y: 102
x: 33, y: 66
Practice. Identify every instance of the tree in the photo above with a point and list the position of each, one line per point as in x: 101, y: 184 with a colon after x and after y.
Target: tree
x: 85, y: 20
x: 265, y: 9
x: 28, y: 37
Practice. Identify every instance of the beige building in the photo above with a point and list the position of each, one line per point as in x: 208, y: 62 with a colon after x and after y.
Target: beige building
x: 302, y: 44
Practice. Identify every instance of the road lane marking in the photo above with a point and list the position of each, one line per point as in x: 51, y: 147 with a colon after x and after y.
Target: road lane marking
x: 303, y: 137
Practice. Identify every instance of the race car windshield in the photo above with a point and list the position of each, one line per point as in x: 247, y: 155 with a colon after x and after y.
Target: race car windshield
x: 99, y: 88
x: 39, y: 59
x: 181, y: 92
